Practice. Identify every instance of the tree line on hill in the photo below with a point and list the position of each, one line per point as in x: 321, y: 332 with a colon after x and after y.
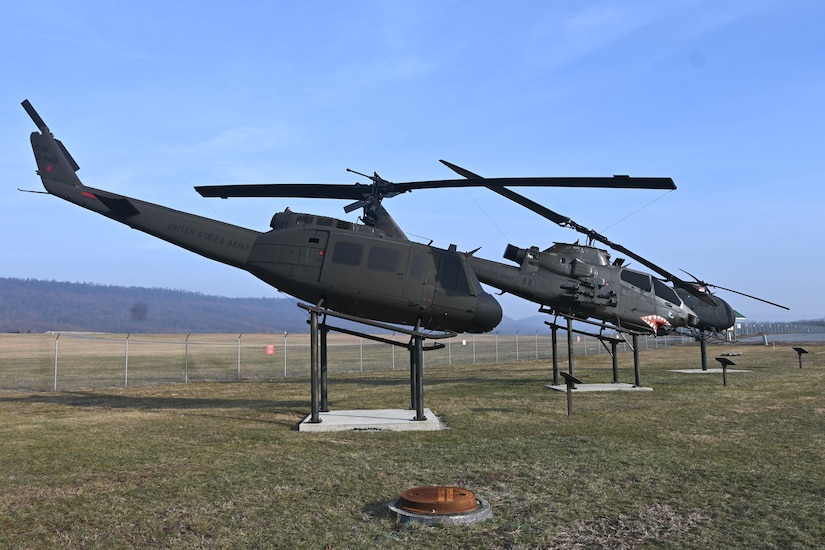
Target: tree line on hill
x: 32, y: 305
x: 29, y: 305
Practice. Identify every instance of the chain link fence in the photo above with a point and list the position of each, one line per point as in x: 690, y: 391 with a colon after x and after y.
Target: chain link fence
x: 71, y: 361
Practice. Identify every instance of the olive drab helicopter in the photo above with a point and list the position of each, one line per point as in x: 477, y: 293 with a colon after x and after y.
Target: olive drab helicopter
x: 717, y: 316
x: 579, y: 281
x: 369, y: 270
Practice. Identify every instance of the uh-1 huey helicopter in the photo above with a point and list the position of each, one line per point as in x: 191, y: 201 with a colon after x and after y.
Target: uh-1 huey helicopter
x: 370, y: 271
x: 579, y: 281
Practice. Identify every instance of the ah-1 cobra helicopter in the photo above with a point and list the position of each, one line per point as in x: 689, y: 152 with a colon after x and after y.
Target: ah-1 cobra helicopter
x: 715, y: 314
x: 369, y: 271
x: 579, y: 281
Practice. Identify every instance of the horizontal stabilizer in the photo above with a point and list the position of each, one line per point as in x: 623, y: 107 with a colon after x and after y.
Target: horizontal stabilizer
x: 121, y: 206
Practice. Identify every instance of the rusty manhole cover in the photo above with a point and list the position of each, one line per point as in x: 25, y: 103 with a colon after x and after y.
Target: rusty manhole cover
x: 438, y: 500
x: 438, y: 504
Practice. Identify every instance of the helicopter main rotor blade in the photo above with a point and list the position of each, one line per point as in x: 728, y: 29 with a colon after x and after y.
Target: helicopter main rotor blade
x: 621, y: 182
x: 383, y: 188
x: 564, y: 221
x: 750, y: 296
x: 703, y: 283
x: 307, y: 190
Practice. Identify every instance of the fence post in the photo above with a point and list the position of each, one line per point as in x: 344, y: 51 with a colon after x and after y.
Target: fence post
x: 56, y: 347
x: 186, y: 360
x: 126, y: 365
x: 285, y: 334
x: 239, y: 355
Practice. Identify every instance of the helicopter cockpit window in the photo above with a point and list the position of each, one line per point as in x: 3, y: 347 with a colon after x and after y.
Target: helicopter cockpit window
x: 641, y: 280
x: 665, y: 292
x: 347, y: 253
x: 383, y: 259
x: 451, y: 276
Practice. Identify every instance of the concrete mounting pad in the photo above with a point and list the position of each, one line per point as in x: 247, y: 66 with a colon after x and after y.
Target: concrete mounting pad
x: 708, y: 371
x: 600, y: 387
x: 371, y: 420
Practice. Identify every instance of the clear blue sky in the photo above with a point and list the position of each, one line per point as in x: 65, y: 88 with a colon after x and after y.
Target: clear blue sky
x: 153, y: 98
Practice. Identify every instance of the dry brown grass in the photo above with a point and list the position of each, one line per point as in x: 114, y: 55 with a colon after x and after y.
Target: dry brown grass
x: 692, y: 464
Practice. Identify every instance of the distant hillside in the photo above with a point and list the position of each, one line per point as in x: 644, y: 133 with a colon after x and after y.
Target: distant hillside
x: 29, y: 305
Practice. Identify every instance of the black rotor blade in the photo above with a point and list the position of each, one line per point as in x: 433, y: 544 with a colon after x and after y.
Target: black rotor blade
x: 307, y: 190
x: 700, y: 282
x: 695, y: 278
x: 389, y: 189
x: 564, y: 221
x: 617, y: 182
x: 620, y: 182
x: 750, y: 296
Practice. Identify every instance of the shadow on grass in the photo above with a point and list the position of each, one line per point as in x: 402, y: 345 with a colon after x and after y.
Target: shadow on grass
x: 435, y: 380
x: 378, y: 510
x: 114, y: 401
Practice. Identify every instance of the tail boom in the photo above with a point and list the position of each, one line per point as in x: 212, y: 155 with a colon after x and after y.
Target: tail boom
x: 223, y: 242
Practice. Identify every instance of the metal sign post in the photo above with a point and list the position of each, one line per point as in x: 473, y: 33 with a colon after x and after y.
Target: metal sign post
x: 801, y: 352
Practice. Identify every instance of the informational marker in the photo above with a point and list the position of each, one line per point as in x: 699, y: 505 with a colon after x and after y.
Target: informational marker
x: 725, y: 362
x: 571, y: 382
x: 801, y: 352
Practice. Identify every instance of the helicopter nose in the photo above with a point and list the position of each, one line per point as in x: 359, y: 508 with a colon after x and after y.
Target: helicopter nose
x: 488, y: 313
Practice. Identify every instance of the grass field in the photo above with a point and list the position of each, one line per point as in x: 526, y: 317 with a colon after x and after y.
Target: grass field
x: 692, y: 464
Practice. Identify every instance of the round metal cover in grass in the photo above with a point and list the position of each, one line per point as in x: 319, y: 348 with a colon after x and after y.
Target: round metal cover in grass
x: 440, y: 504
